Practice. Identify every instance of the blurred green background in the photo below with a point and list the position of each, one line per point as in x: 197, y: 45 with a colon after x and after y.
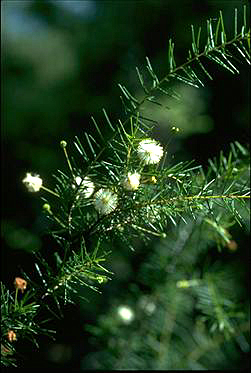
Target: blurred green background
x: 61, y: 63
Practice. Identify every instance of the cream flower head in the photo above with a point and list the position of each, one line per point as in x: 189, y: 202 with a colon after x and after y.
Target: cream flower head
x: 105, y: 201
x: 126, y: 314
x: 86, y: 186
x: 149, y: 151
x: 33, y: 183
x: 132, y: 181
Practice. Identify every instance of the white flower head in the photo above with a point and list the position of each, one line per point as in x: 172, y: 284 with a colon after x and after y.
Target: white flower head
x: 126, y: 314
x: 33, y: 183
x: 149, y: 151
x: 132, y: 181
x: 105, y: 201
x: 86, y: 186
x: 148, y: 306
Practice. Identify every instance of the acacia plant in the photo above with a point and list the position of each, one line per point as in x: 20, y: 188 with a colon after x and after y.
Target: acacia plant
x: 125, y: 186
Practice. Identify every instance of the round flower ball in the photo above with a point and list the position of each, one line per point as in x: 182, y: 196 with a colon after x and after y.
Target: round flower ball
x: 33, y: 183
x: 126, y: 314
x: 105, y: 201
x: 149, y: 151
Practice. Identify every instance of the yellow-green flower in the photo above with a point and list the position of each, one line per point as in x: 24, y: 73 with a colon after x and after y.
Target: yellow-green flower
x: 132, y: 181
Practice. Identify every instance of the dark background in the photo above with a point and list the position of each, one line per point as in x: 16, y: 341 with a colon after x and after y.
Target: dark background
x: 61, y: 63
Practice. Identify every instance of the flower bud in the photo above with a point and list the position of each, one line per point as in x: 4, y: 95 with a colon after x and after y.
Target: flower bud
x: 63, y: 144
x: 11, y: 335
x: 20, y: 284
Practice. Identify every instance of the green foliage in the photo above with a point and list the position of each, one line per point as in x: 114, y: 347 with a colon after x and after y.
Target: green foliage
x: 188, y: 317
x: 19, y: 314
x: 117, y: 191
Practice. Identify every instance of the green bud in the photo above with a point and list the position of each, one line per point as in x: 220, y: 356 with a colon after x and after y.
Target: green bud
x: 101, y: 279
x: 63, y: 144
x: 47, y: 207
x: 175, y: 129
x: 182, y: 284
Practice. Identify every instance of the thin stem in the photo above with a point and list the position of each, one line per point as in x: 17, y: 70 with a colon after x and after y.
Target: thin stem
x: 190, y: 198
x: 15, y: 304
x: 48, y: 209
x: 190, y: 61
x: 68, y: 160
x: 209, y: 197
x: 158, y: 234
x: 50, y: 191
